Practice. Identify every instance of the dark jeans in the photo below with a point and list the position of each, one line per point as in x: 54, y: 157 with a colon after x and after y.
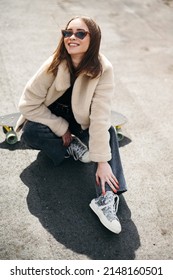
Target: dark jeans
x: 39, y: 136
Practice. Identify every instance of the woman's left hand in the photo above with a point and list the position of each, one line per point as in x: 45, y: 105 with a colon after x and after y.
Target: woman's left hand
x: 67, y: 138
x: 104, y: 175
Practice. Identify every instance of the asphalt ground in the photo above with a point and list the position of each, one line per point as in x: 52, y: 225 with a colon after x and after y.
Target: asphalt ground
x: 44, y: 209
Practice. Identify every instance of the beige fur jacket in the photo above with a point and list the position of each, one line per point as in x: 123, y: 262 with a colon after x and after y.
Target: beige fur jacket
x: 91, y: 104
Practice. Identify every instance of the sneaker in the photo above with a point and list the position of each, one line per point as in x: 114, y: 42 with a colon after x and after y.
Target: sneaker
x: 78, y: 150
x: 106, y: 207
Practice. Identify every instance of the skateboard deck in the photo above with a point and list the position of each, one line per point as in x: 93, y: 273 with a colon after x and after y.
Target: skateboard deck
x: 8, y: 122
x: 118, y: 120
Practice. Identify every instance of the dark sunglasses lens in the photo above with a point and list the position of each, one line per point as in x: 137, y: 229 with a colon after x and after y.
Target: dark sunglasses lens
x: 66, y: 33
x: 80, y: 34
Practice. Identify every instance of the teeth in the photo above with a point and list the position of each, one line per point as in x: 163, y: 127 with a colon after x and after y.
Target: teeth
x: 73, y: 45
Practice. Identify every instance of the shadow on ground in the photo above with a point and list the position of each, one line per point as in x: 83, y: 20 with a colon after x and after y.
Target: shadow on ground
x: 59, y: 198
x: 21, y: 146
x: 12, y: 147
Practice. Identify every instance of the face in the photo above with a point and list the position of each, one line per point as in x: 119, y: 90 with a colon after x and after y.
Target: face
x: 75, y: 46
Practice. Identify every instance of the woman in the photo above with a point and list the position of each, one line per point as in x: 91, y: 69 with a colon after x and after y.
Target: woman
x: 68, y: 103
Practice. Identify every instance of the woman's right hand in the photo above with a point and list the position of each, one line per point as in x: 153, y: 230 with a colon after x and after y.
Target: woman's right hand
x: 104, y: 175
x: 67, y: 138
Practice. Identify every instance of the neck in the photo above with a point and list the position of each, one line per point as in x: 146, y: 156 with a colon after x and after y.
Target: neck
x: 76, y: 60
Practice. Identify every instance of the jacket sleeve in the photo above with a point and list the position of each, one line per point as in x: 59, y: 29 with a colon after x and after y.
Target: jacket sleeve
x: 100, y: 117
x: 32, y: 102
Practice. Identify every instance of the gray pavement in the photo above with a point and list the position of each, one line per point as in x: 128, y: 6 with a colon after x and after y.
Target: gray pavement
x: 44, y: 209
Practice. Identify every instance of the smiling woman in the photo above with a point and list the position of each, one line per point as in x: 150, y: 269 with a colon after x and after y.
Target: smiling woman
x: 91, y: 42
x: 66, y: 111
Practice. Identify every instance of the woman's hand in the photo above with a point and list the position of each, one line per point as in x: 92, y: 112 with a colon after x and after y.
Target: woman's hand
x: 67, y: 138
x: 104, y: 175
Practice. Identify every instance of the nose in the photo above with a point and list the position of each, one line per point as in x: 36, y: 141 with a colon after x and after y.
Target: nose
x: 72, y: 37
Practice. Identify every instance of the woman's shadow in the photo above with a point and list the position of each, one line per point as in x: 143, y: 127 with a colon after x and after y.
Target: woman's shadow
x: 59, y: 198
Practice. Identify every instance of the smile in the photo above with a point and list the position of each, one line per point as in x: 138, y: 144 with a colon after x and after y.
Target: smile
x: 73, y: 45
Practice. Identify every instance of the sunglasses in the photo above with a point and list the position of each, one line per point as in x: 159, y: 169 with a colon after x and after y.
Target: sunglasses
x: 79, y: 34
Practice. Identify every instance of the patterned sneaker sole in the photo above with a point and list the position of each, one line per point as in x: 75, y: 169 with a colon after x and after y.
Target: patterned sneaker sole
x: 115, y: 226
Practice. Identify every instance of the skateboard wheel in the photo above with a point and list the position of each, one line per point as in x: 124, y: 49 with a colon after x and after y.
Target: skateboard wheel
x: 119, y: 133
x: 11, y: 137
x: 120, y: 136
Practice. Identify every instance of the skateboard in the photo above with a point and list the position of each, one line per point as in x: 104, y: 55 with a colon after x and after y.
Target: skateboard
x: 8, y: 122
x: 118, y: 120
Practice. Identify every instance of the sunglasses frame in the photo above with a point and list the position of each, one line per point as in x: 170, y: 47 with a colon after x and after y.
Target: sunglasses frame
x: 68, y: 33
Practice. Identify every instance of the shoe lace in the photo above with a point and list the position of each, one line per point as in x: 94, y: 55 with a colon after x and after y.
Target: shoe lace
x: 76, y: 149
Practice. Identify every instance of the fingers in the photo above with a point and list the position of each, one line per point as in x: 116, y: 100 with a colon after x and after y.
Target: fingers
x: 112, y: 182
x: 97, y: 180
x: 103, y: 187
x: 67, y: 138
x: 66, y: 142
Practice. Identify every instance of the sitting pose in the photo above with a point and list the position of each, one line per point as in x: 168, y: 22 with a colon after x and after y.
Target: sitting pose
x: 66, y: 111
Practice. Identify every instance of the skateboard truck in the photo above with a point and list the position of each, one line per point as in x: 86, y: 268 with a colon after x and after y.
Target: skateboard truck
x: 11, y: 136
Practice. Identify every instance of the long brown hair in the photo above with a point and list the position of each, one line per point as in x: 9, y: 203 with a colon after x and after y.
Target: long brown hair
x: 90, y: 63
